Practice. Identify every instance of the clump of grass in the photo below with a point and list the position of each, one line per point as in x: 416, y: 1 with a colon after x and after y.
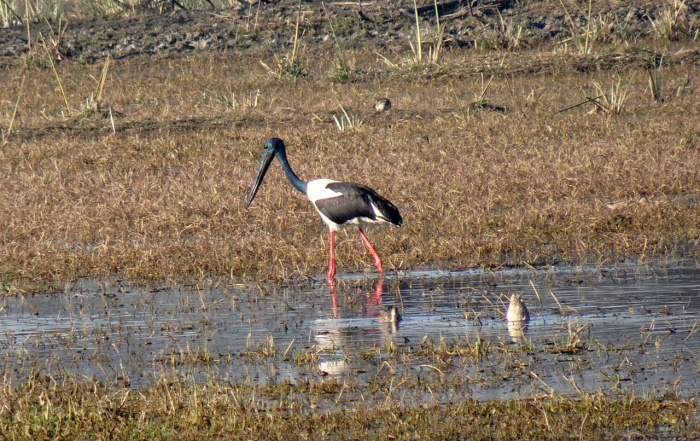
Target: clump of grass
x: 594, y: 30
x: 8, y: 14
x: 265, y: 349
x: 480, y: 101
x: 509, y: 36
x: 46, y: 51
x: 244, y: 101
x: 497, y: 36
x: 655, y: 82
x: 37, y: 60
x: 435, y: 47
x: 40, y: 10
x: 346, y: 121
x: 454, y: 348
x: 608, y: 28
x: 342, y: 70
x: 418, y: 48
x: 612, y: 102
x: 684, y: 89
x: 599, y: 30
x: 572, y: 343
x: 307, y: 356
x: 94, y: 103
x: 50, y: 57
x: 190, y: 356
x: 673, y: 23
x: 289, y: 64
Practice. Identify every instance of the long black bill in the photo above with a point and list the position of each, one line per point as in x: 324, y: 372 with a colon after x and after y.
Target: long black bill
x: 265, y: 162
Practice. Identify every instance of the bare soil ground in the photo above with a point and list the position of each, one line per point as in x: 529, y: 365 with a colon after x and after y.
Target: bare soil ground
x: 379, y: 25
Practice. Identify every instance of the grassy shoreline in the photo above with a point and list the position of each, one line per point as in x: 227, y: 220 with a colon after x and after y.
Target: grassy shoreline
x: 43, y: 408
x: 161, y: 197
x: 583, y: 150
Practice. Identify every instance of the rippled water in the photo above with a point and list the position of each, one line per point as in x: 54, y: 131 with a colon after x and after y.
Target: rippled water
x: 637, y: 325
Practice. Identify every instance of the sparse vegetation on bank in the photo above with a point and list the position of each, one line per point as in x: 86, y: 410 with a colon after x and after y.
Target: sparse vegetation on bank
x: 151, y: 186
x: 74, y: 408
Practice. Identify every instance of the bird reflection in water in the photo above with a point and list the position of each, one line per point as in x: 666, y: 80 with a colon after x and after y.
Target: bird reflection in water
x: 335, y: 336
x: 373, y: 302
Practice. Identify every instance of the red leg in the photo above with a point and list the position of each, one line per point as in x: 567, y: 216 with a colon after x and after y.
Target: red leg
x: 334, y: 298
x: 331, y: 265
x: 372, y: 251
x: 374, y: 300
x: 378, y: 291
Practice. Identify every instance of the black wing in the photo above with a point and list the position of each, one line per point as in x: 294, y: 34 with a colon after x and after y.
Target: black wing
x: 356, y: 202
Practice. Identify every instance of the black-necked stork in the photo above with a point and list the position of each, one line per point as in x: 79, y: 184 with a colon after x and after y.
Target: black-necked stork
x: 338, y: 203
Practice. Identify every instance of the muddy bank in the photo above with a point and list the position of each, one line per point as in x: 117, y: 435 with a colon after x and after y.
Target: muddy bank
x: 270, y: 27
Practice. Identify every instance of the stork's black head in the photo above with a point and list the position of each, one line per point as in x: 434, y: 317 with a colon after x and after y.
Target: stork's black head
x: 274, y: 145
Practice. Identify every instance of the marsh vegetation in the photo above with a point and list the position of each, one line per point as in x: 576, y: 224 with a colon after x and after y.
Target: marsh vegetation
x: 529, y: 134
x: 617, y: 343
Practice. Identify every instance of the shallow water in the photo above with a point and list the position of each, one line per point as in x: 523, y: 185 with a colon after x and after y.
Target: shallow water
x: 635, y: 327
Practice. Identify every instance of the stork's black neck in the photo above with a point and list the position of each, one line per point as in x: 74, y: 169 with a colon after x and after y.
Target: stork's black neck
x: 293, y: 178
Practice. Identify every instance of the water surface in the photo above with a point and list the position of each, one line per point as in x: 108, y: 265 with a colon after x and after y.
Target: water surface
x: 634, y: 328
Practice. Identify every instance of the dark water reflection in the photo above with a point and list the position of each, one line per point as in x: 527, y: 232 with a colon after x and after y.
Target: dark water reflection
x: 637, y: 325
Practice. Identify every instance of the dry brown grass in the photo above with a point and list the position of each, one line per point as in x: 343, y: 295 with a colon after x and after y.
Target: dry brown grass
x: 163, y: 196
x: 43, y: 408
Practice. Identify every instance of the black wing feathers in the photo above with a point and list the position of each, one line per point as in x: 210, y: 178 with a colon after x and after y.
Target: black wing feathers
x: 356, y: 201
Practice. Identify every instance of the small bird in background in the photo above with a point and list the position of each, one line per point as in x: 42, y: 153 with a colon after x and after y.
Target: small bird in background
x: 517, y: 311
x: 391, y: 315
x: 382, y: 104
